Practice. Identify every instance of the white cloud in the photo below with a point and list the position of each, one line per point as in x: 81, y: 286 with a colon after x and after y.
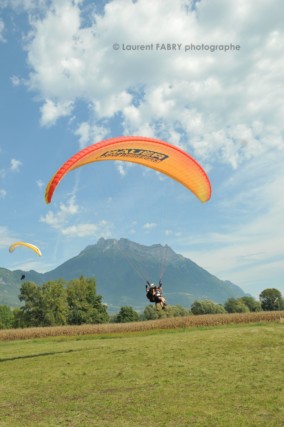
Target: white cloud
x: 149, y: 225
x: 51, y: 111
x: 89, y: 134
x: 6, y: 237
x: 103, y: 228
x: 15, y: 80
x: 24, y: 4
x: 15, y: 165
x: 40, y: 183
x: 2, y: 27
x: 121, y: 167
x: 59, y: 219
x: 3, y: 193
x: 83, y: 131
x: 169, y: 232
x: 212, y: 103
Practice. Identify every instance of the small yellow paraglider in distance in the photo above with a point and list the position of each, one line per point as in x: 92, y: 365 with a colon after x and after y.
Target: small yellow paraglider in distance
x: 28, y: 245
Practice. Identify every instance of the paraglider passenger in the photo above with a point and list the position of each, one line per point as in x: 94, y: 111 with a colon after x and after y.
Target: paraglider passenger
x: 150, y: 291
x: 154, y: 294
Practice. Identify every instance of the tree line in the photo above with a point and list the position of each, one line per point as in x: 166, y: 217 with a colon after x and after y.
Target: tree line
x: 56, y: 303
x: 76, y: 302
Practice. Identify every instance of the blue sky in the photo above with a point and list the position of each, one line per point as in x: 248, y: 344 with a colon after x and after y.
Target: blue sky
x: 64, y: 86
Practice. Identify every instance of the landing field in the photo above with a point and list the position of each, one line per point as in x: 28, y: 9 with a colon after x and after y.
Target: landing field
x: 229, y: 375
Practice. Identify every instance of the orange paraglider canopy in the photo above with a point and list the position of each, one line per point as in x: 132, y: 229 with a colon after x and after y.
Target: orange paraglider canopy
x: 153, y: 153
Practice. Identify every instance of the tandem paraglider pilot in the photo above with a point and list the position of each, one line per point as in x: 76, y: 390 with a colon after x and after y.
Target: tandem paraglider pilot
x: 154, y: 294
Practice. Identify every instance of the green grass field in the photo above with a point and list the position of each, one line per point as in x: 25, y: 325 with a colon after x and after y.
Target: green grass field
x: 208, y: 376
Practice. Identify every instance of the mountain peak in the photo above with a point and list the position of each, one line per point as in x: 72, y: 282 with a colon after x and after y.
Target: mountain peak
x: 105, y: 244
x: 121, y: 244
x: 121, y: 268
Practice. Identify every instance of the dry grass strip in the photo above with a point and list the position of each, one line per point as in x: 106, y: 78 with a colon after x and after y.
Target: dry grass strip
x: 169, y: 323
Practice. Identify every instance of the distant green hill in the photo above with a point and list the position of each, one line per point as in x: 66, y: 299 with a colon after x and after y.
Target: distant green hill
x: 121, y: 268
x: 10, y: 283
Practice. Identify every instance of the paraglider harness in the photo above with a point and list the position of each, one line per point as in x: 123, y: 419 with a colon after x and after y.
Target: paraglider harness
x: 153, y: 293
